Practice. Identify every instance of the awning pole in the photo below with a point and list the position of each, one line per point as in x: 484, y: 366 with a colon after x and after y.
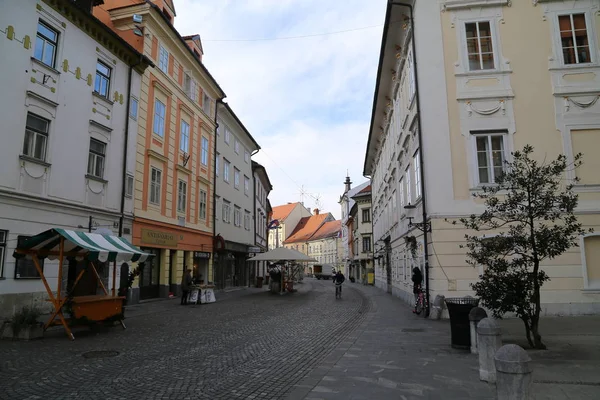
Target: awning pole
x: 114, y: 280
x: 98, y: 277
x: 61, y: 252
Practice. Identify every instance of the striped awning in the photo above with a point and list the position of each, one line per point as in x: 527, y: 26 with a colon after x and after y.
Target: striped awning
x: 80, y: 245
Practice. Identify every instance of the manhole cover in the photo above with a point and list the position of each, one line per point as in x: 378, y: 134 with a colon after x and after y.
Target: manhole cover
x: 413, y: 330
x: 100, y: 354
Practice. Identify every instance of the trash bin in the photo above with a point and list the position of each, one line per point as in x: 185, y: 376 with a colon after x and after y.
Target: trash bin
x: 259, y: 281
x: 460, y: 328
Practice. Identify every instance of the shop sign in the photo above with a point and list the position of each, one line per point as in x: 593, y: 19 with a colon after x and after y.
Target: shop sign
x: 254, y: 249
x: 201, y: 254
x: 160, y: 238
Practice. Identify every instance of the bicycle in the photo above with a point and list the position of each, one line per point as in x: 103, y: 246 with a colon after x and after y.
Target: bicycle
x: 338, y: 290
x: 421, y: 303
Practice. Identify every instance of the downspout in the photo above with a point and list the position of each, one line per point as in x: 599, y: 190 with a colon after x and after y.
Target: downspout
x: 214, y: 197
x: 421, y: 162
x: 372, y: 234
x: 125, y: 145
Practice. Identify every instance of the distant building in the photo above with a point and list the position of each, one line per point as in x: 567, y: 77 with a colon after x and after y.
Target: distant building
x: 361, y: 267
x: 346, y: 203
x: 283, y: 222
x: 262, y: 188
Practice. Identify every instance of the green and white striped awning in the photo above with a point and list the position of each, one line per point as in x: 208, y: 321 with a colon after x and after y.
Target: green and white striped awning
x: 91, y: 246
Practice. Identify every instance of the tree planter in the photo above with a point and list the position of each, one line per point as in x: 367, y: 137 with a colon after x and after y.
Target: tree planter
x: 25, y: 333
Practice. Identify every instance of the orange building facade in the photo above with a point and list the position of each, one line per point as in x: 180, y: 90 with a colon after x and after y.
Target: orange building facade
x: 176, y: 114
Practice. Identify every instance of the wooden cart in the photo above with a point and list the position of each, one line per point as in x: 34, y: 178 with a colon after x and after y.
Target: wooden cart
x: 91, y: 247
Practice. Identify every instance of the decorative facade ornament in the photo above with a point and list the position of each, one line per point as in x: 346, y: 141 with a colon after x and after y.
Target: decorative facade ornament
x: 580, y: 104
x: 471, y: 108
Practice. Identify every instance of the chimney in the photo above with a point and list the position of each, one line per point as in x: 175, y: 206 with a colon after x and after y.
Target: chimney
x: 316, y: 211
x: 309, y: 211
x: 348, y: 184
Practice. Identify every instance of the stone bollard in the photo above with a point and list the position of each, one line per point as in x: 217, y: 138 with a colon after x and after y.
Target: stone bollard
x: 437, y: 307
x: 475, y: 315
x: 489, y: 340
x: 514, y: 373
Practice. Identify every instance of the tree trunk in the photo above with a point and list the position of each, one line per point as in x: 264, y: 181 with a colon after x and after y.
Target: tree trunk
x: 537, y: 338
x: 528, y: 332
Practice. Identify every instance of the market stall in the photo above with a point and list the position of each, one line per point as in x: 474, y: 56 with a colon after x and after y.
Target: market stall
x: 90, y: 248
x: 285, y: 274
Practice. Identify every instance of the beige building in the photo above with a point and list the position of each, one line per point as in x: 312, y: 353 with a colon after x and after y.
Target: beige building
x: 361, y: 265
x: 452, y: 101
x: 284, y: 220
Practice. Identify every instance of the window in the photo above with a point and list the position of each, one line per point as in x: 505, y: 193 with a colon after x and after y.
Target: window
x: 237, y: 216
x: 412, y: 87
x: 3, y: 239
x: 25, y: 267
x: 46, y: 42
x: 202, y: 202
x: 247, y: 220
x: 189, y: 86
x: 36, y: 137
x: 237, y: 147
x: 401, y: 193
x: 163, y: 59
x: 408, y: 185
x: 102, y: 85
x: 366, y: 244
x: 181, y: 196
x: 133, y: 108
x: 366, y: 215
x: 226, y: 212
x: 184, y: 140
x: 204, y: 157
x: 217, y: 164
x: 490, y: 157
x: 206, y: 103
x: 158, y: 126
x: 155, y: 185
x: 236, y: 178
x: 417, y: 170
x: 479, y: 46
x: 129, y: 186
x: 246, y: 156
x: 227, y: 135
x: 226, y: 167
x: 591, y: 261
x: 574, y: 39
x: 246, y: 184
x: 96, y: 158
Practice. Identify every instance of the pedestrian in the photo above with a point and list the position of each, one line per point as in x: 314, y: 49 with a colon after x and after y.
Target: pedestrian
x: 417, y: 279
x: 186, y: 281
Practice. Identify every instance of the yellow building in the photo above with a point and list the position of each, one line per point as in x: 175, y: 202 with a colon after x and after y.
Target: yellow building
x: 477, y: 80
x: 176, y: 113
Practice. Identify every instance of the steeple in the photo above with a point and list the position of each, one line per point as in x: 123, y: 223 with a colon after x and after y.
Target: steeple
x: 348, y: 184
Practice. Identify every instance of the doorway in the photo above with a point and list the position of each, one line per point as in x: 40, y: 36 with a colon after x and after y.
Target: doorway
x: 149, y: 285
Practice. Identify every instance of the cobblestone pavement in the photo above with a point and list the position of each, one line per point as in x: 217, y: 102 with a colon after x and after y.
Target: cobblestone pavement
x: 249, y: 346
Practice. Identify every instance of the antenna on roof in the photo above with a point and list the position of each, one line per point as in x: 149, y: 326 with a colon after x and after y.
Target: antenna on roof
x: 318, y: 201
x: 302, y: 194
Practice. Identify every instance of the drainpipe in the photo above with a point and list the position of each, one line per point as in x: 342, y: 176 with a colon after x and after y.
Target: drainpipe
x: 214, y: 198
x: 422, y: 163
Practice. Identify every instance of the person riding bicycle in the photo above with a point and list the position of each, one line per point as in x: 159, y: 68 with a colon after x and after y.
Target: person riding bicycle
x: 338, y: 279
x: 417, y: 279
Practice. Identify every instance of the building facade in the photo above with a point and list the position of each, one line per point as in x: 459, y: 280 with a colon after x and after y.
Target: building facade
x: 361, y: 266
x: 174, y: 177
x: 284, y: 220
x: 262, y: 188
x: 66, y: 133
x: 234, y: 199
x: 325, y: 245
x: 446, y: 114
x: 346, y: 203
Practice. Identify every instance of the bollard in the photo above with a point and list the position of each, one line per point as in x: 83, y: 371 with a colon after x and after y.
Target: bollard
x: 476, y: 315
x: 514, y: 373
x: 489, y: 340
x: 437, y: 307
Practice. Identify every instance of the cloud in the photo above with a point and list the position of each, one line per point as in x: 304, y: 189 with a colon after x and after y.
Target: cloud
x: 306, y: 101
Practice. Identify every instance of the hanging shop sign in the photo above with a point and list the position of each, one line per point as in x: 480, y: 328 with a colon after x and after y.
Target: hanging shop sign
x: 201, y: 254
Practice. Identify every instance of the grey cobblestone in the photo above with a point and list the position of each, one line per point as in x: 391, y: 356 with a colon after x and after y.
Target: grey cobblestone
x: 248, y: 346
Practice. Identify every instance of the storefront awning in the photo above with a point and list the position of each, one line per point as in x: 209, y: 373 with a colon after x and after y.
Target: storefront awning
x: 92, y: 246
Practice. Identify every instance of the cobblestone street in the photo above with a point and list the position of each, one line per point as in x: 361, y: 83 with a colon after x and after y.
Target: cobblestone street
x: 249, y: 346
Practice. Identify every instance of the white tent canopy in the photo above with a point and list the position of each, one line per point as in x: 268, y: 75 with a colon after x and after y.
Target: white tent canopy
x: 282, y: 254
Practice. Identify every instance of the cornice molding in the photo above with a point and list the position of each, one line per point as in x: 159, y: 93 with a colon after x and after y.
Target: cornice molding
x: 458, y: 4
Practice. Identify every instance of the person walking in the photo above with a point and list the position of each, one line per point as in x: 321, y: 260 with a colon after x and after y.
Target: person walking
x: 186, y: 281
x: 417, y: 279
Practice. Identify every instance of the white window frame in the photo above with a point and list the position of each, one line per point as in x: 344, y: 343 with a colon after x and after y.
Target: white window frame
x: 226, y: 211
x: 237, y: 216
x: 204, y: 156
x: 184, y: 138
x: 33, y: 135
x: 202, y: 198
x: 218, y: 206
x: 505, y: 150
x: 227, y: 135
x: 181, y: 196
x: 102, y: 77
x: 189, y: 85
x: 494, y: 51
x: 401, y: 193
x: 246, y: 156
x: 46, y: 40
x: 236, y: 178
x: 163, y: 59
x: 155, y: 186
x: 408, y: 181
x: 236, y: 146
x: 133, y: 107
x: 217, y: 164
x: 96, y: 159
x: 412, y: 86
x: 417, y: 171
x: 589, y: 24
x: 158, y: 120
x: 246, y: 185
x: 129, y: 186
x: 586, y: 282
x: 226, y: 168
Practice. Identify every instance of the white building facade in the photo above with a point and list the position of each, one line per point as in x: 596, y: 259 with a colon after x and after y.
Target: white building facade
x: 262, y: 188
x: 234, y: 198
x: 67, y: 127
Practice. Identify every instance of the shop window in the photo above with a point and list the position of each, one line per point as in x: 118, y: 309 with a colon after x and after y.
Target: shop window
x: 25, y: 267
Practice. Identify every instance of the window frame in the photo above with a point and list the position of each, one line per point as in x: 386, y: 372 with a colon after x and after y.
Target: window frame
x: 46, y: 40
x: 417, y: 173
x: 226, y: 211
x: 246, y: 156
x: 227, y: 137
x: 206, y: 102
x: 202, y: 204
x: 236, y: 178
x: 95, y: 156
x: 366, y: 239
x: 184, y: 136
x: 204, y: 151
x: 407, y: 179
x: 237, y: 216
x: 493, y: 40
x: 102, y: 76
x: 590, y: 37
x: 367, y: 212
x: 236, y: 146
x: 246, y: 185
x: 36, y: 133
x: 4, y: 236
x: 181, y: 196
x: 586, y: 282
x: 155, y: 185
x: 226, y: 170
x: 161, y: 118
x: 162, y: 51
x: 133, y: 111
x: 505, y: 153
x: 129, y: 186
x: 24, y: 259
x: 217, y: 164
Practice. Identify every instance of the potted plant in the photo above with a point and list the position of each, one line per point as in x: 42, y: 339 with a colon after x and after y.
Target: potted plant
x: 24, y: 325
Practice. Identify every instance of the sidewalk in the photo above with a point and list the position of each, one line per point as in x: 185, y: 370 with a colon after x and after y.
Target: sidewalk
x: 398, y: 355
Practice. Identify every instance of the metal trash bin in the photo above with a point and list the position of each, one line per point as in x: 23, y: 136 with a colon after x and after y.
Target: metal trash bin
x: 460, y: 328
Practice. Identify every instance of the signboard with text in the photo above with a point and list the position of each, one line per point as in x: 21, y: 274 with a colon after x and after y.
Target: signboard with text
x: 160, y: 238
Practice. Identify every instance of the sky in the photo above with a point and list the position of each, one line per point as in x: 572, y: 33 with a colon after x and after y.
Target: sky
x: 306, y: 101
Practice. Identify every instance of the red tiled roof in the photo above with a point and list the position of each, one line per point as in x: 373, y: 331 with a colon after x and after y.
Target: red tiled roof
x: 365, y: 190
x: 306, y: 228
x: 282, y: 212
x: 328, y: 229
